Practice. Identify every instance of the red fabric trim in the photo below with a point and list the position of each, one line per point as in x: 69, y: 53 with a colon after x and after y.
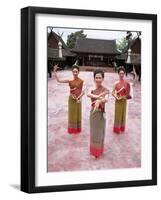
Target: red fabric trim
x: 122, y: 128
x: 96, y: 152
x: 116, y: 130
x: 74, y: 130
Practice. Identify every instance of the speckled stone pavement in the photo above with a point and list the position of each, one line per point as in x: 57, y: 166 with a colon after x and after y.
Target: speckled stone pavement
x: 68, y: 152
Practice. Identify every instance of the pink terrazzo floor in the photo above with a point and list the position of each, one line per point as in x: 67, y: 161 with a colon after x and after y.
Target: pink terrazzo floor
x: 71, y: 152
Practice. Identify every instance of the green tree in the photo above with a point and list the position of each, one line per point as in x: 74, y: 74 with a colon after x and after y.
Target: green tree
x: 122, y: 44
x: 71, y: 39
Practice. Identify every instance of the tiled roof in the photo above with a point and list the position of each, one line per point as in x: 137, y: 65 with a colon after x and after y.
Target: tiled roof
x: 97, y: 46
x: 54, y: 53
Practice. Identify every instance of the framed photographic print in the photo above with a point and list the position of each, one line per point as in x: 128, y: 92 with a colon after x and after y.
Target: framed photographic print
x: 88, y: 99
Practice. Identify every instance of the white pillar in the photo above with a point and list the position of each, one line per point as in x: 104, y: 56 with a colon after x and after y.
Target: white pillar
x: 128, y: 56
x: 60, y: 50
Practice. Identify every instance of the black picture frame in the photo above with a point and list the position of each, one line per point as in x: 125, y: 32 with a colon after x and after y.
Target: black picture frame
x: 28, y: 90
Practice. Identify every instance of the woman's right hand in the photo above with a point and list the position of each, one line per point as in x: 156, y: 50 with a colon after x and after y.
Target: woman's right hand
x: 97, y: 104
x: 55, y: 67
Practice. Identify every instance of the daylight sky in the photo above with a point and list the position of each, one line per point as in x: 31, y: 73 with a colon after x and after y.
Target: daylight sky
x: 96, y: 34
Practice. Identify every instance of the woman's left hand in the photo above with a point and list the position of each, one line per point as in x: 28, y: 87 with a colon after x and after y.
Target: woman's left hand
x: 97, y: 103
x: 121, y: 97
x: 78, y: 100
x: 74, y: 97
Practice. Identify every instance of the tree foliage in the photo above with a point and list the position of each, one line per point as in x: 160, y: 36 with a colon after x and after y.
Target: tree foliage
x: 71, y: 39
x: 122, y: 44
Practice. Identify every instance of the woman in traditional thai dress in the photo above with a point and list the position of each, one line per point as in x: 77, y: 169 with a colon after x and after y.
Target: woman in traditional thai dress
x: 99, y: 96
x: 121, y: 92
x: 74, y: 100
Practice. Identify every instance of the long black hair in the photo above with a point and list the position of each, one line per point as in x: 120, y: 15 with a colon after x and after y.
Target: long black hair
x: 121, y: 68
x: 75, y: 67
x: 99, y: 71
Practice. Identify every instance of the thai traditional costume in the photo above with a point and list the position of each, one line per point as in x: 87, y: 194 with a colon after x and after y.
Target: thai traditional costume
x: 74, y: 107
x: 123, y: 89
x: 97, y: 125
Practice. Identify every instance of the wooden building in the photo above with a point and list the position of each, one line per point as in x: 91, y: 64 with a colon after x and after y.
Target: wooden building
x: 54, y: 39
x: 95, y: 52
x: 135, y: 57
x: 58, y: 52
x: 135, y: 46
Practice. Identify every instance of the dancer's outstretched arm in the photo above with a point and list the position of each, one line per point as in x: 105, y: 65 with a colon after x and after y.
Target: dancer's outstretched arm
x: 90, y: 95
x: 56, y: 76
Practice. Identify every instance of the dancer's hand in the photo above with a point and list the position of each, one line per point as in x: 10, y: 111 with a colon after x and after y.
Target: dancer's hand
x: 121, y: 97
x: 118, y: 97
x: 74, y: 96
x: 97, y: 104
x: 55, y: 67
x: 78, y: 100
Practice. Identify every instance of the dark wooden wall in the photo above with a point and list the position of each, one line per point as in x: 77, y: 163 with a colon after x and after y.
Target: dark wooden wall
x: 136, y: 47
